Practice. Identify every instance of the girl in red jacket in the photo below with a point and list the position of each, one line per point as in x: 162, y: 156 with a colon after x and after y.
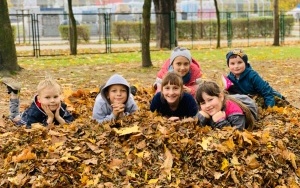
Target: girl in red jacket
x: 182, y: 63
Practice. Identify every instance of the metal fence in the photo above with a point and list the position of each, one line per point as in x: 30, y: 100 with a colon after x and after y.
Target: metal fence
x: 42, y: 34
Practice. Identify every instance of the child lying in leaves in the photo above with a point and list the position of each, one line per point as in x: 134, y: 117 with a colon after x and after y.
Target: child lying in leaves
x: 47, y: 107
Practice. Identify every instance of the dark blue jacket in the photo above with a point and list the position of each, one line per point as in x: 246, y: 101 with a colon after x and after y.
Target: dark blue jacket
x: 250, y: 83
x: 187, y: 106
x: 35, y: 114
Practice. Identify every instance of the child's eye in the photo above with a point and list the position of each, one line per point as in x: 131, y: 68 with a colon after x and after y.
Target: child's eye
x: 202, y: 103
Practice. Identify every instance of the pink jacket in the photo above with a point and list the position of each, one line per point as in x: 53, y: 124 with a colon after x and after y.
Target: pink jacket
x: 196, y: 74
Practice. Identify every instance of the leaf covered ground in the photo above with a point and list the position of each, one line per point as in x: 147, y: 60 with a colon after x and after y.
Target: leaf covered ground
x: 145, y: 150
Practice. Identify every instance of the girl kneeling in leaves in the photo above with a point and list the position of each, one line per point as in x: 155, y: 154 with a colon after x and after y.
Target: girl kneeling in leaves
x: 218, y: 109
x: 172, y: 101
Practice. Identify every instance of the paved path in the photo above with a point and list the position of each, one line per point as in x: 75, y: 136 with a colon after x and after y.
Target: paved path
x: 64, y: 45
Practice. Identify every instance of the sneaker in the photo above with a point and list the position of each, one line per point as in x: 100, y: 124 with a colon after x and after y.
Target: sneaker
x: 226, y: 82
x: 12, y: 85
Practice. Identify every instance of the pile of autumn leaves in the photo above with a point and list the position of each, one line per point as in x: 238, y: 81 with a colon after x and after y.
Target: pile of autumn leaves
x: 145, y: 150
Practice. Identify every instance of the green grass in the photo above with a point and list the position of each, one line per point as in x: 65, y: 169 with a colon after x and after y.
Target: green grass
x: 216, y: 56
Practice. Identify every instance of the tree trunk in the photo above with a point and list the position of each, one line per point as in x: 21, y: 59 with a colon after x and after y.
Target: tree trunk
x: 146, y: 58
x: 276, y: 24
x: 8, y: 54
x: 218, y: 24
x: 72, y: 30
x: 163, y: 10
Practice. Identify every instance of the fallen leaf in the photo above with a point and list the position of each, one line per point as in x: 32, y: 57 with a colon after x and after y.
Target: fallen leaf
x: 24, y: 155
x: 205, y: 142
x: 224, y: 165
x: 127, y: 130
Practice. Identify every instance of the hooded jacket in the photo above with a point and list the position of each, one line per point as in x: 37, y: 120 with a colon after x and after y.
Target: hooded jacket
x: 250, y: 83
x: 102, y: 110
x: 35, y: 114
x: 192, y: 83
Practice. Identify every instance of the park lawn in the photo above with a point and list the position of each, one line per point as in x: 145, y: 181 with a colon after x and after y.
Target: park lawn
x: 278, y: 65
x: 145, y: 150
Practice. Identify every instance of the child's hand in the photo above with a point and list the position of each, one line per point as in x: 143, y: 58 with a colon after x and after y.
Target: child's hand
x: 206, y: 115
x: 173, y: 118
x: 118, y: 109
x: 218, y: 116
x: 57, y: 115
x: 187, y: 89
x: 47, y: 111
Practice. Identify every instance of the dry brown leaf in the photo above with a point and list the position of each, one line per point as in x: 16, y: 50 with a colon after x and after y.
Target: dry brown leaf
x: 26, y: 154
x: 19, y: 180
x: 127, y: 130
x: 205, y: 142
x: 167, y: 165
x: 115, y: 163
x: 252, y: 162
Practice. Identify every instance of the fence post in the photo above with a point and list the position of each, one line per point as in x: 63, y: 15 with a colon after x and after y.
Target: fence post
x: 172, y: 30
x: 229, y: 29
x: 107, y: 32
x: 35, y: 34
x: 282, y: 27
x: 1, y: 63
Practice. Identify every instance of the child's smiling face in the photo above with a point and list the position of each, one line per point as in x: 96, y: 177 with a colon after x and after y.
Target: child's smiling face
x: 117, y: 94
x: 181, y: 65
x: 236, y: 65
x: 50, y: 96
x: 171, y: 93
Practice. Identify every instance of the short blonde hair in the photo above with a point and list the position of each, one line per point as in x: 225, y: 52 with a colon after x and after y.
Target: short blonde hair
x: 48, y: 82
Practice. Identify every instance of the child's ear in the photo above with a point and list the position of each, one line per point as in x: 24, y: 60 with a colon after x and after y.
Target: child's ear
x: 38, y: 99
x: 222, y: 96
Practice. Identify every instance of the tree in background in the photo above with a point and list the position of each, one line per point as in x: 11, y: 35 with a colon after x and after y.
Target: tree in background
x: 287, y: 4
x: 163, y: 9
x: 146, y: 58
x: 218, y: 24
x: 72, y: 30
x: 276, y: 24
x: 8, y: 54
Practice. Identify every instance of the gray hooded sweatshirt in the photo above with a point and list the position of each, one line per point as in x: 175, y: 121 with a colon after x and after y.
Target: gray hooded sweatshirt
x: 102, y: 110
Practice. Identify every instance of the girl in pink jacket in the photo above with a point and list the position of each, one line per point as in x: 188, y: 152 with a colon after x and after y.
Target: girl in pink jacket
x: 182, y: 63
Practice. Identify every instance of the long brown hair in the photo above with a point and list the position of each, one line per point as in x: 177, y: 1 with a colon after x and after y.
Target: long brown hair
x: 212, y: 89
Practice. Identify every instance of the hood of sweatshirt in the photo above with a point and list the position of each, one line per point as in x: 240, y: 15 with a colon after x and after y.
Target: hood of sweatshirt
x: 113, y: 80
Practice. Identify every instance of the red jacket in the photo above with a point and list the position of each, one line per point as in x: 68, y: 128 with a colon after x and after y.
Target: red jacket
x: 196, y: 74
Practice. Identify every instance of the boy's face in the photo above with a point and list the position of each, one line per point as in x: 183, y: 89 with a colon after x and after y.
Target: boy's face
x: 117, y: 94
x: 181, y: 65
x: 50, y: 96
x: 171, y: 93
x: 236, y: 65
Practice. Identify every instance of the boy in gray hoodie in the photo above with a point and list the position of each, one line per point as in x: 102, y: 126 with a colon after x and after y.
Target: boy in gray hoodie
x: 114, y: 100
